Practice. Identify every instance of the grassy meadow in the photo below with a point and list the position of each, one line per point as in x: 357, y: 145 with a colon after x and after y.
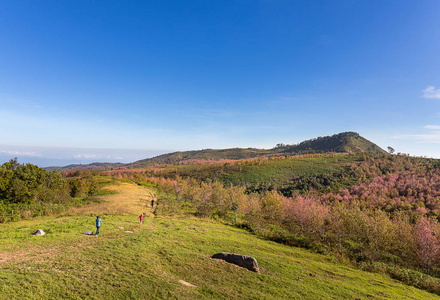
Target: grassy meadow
x: 147, y: 261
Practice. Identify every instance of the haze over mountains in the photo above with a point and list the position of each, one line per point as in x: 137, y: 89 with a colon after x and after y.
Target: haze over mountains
x: 345, y: 142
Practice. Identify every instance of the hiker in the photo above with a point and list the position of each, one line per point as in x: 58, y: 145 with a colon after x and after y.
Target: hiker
x: 141, y: 218
x: 98, y: 224
x: 152, y: 203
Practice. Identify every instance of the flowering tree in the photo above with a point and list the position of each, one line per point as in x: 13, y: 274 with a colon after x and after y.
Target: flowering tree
x: 307, y: 215
x: 428, y: 246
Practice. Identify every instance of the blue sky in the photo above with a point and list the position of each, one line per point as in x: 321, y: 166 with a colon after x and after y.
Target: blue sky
x: 84, y: 81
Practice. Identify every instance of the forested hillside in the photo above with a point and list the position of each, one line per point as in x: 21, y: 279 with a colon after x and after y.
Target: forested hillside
x: 379, y: 210
x: 346, y: 142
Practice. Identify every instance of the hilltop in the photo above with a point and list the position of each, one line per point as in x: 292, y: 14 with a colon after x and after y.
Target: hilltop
x: 346, y: 142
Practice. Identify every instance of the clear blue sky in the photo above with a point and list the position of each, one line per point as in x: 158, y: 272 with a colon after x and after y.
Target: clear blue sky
x: 84, y: 81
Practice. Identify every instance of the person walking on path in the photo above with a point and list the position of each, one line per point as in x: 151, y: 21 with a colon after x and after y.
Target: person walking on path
x: 141, y: 218
x: 98, y: 224
x: 152, y: 203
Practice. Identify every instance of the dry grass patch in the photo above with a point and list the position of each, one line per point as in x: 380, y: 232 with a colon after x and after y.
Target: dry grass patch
x: 129, y: 198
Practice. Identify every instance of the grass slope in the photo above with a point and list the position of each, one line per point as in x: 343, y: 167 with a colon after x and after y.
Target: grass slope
x: 148, y: 263
x: 206, y: 154
x: 285, y: 174
x: 280, y: 172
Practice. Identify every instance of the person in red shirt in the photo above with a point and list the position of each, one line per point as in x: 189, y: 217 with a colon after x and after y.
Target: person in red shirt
x: 141, y: 218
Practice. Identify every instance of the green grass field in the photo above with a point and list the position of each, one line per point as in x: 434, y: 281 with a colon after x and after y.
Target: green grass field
x: 148, y: 261
x: 273, y: 173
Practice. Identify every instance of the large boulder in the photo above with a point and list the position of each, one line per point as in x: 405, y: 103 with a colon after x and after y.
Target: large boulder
x: 39, y: 232
x: 244, y: 261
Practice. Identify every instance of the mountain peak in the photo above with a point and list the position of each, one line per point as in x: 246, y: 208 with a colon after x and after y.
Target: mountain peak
x: 345, y: 142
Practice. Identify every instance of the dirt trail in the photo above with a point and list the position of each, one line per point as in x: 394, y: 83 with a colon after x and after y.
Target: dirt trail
x: 130, y: 198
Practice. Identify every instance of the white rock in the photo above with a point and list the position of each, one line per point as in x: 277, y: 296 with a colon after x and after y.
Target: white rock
x: 39, y: 232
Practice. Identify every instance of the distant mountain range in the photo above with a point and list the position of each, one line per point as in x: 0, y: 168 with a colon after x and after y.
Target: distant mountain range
x: 345, y: 142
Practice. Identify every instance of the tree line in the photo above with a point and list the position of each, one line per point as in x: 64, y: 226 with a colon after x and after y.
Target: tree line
x: 27, y: 190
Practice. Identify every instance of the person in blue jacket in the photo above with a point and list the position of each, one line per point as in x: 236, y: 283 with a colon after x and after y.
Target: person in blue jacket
x: 98, y: 224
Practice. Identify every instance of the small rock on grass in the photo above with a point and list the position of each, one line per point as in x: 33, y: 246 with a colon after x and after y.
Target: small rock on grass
x: 39, y: 232
x: 187, y: 283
